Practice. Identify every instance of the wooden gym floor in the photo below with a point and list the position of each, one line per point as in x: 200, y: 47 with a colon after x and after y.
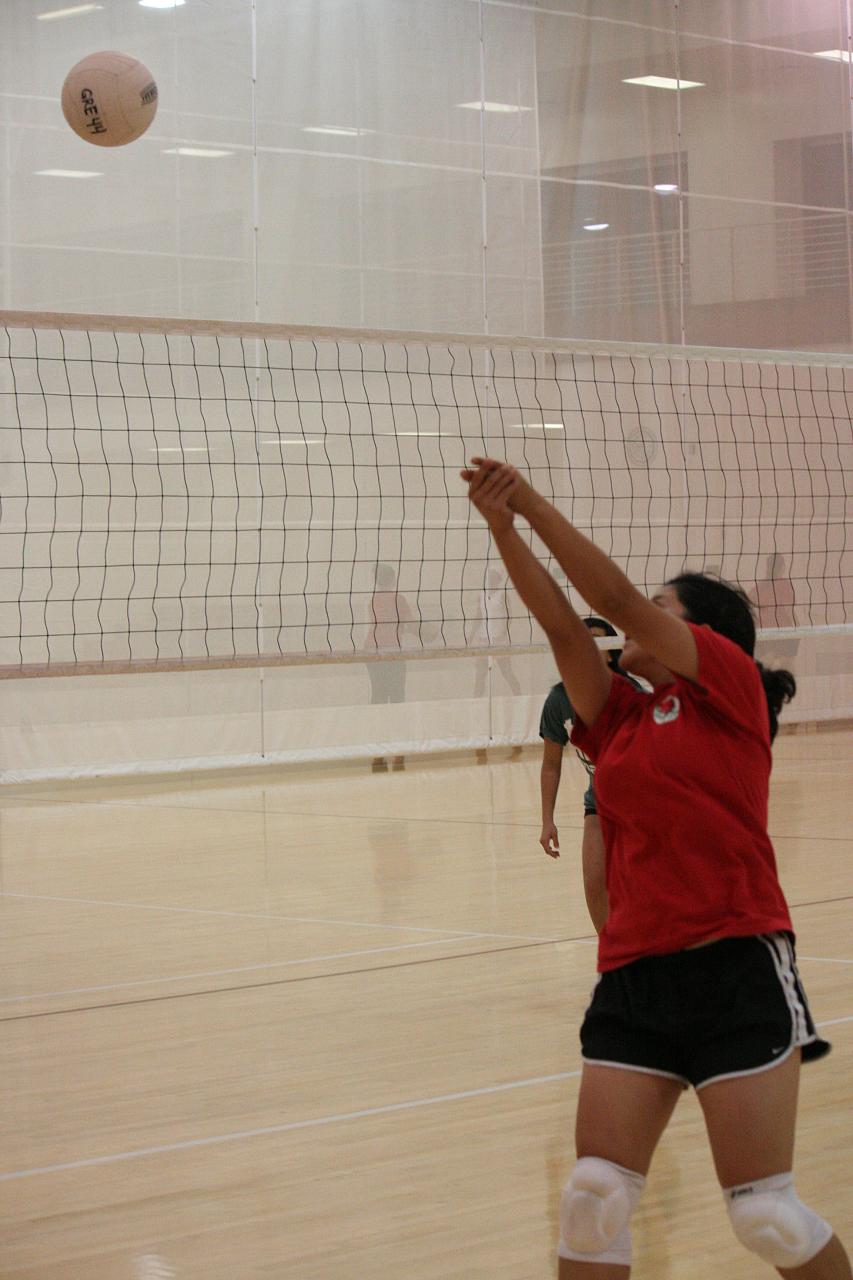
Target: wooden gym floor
x: 311, y: 1025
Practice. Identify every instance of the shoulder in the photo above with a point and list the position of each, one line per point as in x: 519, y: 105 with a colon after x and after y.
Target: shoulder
x: 627, y: 697
x: 556, y: 712
x: 626, y: 701
x: 718, y: 655
x: 557, y: 704
x: 728, y: 682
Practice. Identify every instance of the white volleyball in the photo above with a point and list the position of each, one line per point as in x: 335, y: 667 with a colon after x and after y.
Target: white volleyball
x: 109, y: 99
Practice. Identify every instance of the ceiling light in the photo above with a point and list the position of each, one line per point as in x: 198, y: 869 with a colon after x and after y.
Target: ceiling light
x: 666, y: 188
x: 67, y: 13
x: 665, y: 82
x: 179, y: 448
x: 834, y: 55
x: 207, y: 152
x: 162, y: 4
x: 596, y: 226
x: 539, y: 426
x: 508, y: 108
x: 67, y: 173
x: 340, y: 131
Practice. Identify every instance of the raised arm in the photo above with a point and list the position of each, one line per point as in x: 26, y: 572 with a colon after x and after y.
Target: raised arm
x: 595, y: 576
x: 585, y: 676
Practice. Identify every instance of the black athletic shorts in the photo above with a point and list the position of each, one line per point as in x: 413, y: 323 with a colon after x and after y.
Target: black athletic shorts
x: 731, y: 1008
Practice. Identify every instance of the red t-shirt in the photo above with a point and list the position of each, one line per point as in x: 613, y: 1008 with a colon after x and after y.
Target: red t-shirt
x: 682, y: 779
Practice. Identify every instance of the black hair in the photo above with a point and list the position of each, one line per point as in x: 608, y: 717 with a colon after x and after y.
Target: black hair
x: 607, y: 627
x: 727, y: 610
x: 613, y: 655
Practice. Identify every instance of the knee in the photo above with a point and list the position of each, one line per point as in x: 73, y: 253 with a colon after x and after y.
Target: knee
x: 769, y: 1218
x: 595, y: 1211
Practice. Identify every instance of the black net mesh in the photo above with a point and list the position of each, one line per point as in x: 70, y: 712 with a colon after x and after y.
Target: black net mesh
x: 172, y: 496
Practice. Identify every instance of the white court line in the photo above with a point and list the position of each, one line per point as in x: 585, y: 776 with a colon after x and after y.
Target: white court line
x: 281, y: 964
x: 259, y: 915
x: 318, y: 1122
x: 293, y: 1126
x: 216, y: 973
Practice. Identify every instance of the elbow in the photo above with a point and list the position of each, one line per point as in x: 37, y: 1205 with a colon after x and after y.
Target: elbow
x: 559, y: 621
x: 557, y: 629
x: 615, y: 605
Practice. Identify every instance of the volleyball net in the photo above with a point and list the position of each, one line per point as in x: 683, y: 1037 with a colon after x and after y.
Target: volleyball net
x: 180, y: 493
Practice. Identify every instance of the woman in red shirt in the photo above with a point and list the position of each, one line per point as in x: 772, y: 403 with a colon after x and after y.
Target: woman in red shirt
x: 697, y: 976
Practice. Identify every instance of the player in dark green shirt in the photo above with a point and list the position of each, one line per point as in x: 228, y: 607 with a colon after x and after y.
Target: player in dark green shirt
x: 556, y: 714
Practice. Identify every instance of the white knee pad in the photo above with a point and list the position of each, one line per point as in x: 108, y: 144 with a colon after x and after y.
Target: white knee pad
x: 771, y: 1220
x: 595, y: 1210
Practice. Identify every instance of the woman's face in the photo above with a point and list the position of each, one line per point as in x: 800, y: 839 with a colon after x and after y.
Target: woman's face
x: 599, y: 633
x: 640, y: 663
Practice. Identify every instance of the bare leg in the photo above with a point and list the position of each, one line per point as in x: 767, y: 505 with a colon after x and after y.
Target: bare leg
x: 751, y: 1122
x: 592, y: 862
x: 831, y: 1263
x: 621, y: 1116
x: 591, y: 1270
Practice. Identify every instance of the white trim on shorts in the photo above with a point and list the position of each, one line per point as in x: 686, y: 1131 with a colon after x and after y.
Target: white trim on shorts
x: 789, y: 978
x: 644, y: 1071
x: 782, y: 954
x: 752, y: 1071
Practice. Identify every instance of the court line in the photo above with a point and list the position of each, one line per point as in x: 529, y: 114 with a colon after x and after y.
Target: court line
x: 257, y: 986
x: 262, y: 812
x: 350, y: 924
x: 258, y: 915
x: 293, y: 1126
x: 822, y: 902
x: 217, y: 973
x: 202, y: 810
x: 278, y: 964
x: 279, y: 982
x: 269, y: 810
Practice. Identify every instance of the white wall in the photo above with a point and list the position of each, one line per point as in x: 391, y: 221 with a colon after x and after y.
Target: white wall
x: 108, y: 725
x: 90, y: 726
x: 426, y: 214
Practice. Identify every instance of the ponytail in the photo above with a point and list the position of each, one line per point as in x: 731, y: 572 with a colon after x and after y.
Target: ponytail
x: 779, y: 688
x: 727, y: 610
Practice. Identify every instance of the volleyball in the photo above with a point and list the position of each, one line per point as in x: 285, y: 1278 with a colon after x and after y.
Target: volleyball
x: 109, y: 99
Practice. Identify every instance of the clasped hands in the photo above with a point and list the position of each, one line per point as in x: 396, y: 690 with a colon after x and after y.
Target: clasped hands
x: 496, y: 490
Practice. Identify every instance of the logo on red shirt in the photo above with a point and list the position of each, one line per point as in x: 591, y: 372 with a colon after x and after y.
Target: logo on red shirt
x: 667, y: 709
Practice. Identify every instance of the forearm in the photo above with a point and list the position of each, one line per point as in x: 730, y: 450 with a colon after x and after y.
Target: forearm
x: 549, y: 785
x: 600, y: 581
x: 534, y: 584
